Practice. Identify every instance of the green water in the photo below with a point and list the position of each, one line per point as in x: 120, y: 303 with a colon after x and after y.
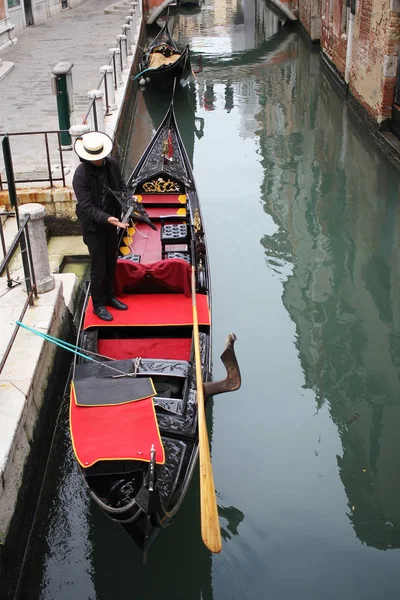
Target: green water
x: 79, y: 268
x: 303, y: 221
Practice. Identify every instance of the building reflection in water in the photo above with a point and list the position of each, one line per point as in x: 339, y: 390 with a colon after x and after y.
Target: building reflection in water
x: 232, y: 26
x: 336, y: 253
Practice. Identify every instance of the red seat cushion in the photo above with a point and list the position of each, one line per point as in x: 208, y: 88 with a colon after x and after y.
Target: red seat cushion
x: 167, y: 348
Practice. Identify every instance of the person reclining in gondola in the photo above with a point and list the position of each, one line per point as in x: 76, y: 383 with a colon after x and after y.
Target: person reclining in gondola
x: 99, y: 213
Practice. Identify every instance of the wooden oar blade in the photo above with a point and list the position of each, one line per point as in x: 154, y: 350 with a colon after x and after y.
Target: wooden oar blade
x: 210, y: 530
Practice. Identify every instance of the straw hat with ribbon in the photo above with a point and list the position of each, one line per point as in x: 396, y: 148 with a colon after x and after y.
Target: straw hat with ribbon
x: 93, y: 146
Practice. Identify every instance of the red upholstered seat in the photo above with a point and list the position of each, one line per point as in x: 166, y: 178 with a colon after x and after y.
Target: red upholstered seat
x: 173, y: 274
x: 165, y: 348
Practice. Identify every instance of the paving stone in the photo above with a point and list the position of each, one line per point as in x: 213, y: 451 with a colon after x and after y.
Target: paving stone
x: 82, y: 36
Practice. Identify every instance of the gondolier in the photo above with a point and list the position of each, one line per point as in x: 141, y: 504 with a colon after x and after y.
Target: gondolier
x: 99, y: 213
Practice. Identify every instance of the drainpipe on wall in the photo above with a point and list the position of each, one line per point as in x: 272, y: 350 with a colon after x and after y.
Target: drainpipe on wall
x: 350, y: 41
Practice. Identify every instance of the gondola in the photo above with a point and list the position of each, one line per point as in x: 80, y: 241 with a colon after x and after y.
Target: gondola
x: 191, y: 125
x: 162, y: 62
x: 135, y: 417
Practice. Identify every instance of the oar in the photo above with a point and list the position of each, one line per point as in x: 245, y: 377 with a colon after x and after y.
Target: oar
x: 210, y: 529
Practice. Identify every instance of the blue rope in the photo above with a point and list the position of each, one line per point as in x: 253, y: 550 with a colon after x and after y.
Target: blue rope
x: 141, y: 73
x: 56, y: 341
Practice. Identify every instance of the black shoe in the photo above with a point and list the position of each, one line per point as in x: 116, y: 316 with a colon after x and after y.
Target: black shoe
x: 117, y: 304
x: 103, y: 313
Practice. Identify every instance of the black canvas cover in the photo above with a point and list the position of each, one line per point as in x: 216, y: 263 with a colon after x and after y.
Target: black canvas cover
x: 94, y: 391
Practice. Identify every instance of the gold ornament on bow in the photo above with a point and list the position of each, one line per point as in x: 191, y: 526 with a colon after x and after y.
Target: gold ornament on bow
x: 161, y: 186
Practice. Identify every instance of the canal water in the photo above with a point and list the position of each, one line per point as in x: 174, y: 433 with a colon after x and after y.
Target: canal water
x: 303, y: 220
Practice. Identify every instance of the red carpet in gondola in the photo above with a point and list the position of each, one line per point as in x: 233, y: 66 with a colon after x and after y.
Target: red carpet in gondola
x: 122, y: 432
x: 165, y: 348
x: 152, y: 310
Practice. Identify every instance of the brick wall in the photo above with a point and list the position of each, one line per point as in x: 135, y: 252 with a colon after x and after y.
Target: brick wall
x: 305, y: 15
x: 376, y: 40
x: 309, y: 13
x: 374, y: 60
x: 333, y: 34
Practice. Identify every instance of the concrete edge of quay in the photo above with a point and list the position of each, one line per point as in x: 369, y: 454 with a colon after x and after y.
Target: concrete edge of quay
x: 28, y: 409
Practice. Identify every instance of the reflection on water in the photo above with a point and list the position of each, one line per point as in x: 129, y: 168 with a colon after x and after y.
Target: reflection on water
x: 308, y: 448
x: 60, y: 539
x: 234, y: 517
x: 335, y: 248
x: 232, y: 26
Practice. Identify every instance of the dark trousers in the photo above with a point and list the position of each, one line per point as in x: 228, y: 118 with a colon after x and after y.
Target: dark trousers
x: 102, y: 247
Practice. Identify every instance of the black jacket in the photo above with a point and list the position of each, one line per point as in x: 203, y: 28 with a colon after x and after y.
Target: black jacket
x: 91, y: 210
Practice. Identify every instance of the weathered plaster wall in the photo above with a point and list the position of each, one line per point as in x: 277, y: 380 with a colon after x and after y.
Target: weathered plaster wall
x: 309, y: 12
x: 305, y: 15
x: 333, y: 34
x: 375, y: 54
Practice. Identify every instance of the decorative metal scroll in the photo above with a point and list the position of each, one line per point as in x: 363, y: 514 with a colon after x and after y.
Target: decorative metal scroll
x: 197, y: 221
x: 200, y: 250
x: 161, y: 185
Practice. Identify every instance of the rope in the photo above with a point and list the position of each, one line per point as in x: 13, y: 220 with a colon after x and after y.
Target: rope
x: 72, y: 348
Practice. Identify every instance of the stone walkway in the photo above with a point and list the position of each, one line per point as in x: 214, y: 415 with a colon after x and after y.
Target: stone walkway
x: 83, y: 36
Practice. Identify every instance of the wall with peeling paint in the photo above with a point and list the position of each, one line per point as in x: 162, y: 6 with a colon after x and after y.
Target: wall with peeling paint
x: 375, y: 55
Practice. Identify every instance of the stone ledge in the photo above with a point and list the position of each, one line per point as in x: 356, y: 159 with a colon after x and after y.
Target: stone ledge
x: 59, y: 202
x: 23, y: 385
x: 5, y: 68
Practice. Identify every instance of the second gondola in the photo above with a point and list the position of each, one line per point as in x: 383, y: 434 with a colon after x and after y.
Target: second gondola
x: 162, y: 62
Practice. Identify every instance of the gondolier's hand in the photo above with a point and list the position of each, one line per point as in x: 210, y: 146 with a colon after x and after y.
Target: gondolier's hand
x: 114, y: 221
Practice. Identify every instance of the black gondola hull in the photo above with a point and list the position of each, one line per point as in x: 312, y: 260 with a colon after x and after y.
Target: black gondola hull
x: 165, y: 76
x: 143, y: 494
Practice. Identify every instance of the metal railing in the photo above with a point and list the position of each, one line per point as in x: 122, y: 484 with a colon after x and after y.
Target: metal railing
x: 109, y: 83
x: 51, y: 178
x: 21, y: 241
x: 103, y: 84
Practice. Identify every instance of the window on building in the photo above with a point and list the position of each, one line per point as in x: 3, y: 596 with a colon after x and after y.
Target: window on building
x: 12, y: 3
